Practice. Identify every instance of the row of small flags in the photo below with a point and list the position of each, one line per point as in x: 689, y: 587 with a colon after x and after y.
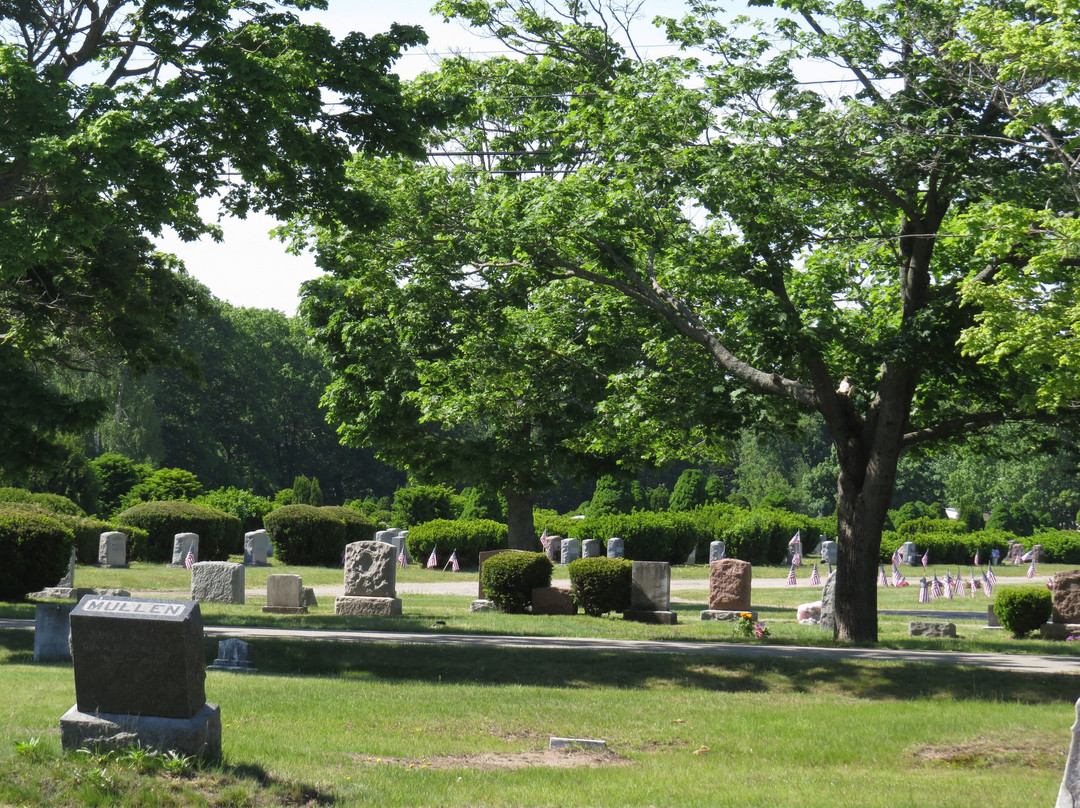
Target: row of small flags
x: 815, y: 577
x: 433, y: 561
x: 1017, y: 560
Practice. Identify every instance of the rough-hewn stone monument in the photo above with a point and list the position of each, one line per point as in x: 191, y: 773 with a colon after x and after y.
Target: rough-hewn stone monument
x: 370, y: 580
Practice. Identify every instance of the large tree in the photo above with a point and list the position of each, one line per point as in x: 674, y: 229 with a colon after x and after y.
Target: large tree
x: 820, y: 240
x: 117, y: 118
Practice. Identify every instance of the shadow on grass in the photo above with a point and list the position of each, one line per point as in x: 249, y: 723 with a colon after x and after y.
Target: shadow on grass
x: 593, y: 669
x: 16, y: 646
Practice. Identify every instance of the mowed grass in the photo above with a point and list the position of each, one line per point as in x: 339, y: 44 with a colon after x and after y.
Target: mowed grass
x: 348, y: 724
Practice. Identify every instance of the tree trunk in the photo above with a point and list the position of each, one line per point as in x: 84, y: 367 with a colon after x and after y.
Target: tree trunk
x: 519, y: 520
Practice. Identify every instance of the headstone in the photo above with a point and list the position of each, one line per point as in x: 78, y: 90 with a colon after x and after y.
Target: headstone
x: 929, y: 628
x: 370, y: 581
x: 1069, y: 792
x: 828, y: 604
x: 1016, y: 549
x: 590, y: 548
x: 284, y: 595
x: 112, y: 549
x: 729, y: 585
x: 650, y: 593
x: 51, y: 630
x: 692, y: 558
x: 571, y: 551
x: 1066, y: 596
x: 139, y: 678
x: 217, y: 582
x: 727, y: 615
x: 551, y: 546
x: 592, y: 744
x: 552, y: 600
x: 829, y: 552
x: 909, y: 554
x: 992, y: 620
x: 256, y: 548
x: 616, y: 547
x: 482, y: 605
x: 1037, y: 553
x: 309, y: 597
x: 716, y: 551
x: 233, y: 655
x: 68, y: 581
x: 793, y: 550
x: 184, y: 543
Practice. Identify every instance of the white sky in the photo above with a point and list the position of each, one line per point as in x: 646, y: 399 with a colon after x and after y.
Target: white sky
x: 249, y: 268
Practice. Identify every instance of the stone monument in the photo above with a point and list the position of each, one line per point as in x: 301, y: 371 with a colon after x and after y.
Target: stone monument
x: 616, y: 547
x: 285, y: 595
x: 256, y: 548
x: 590, y: 548
x: 184, y: 543
x: 233, y: 655
x: 650, y: 593
x: 112, y: 550
x: 729, y: 590
x: 829, y: 552
x: 370, y: 580
x: 571, y: 551
x: 828, y: 605
x: 717, y: 549
x: 140, y: 678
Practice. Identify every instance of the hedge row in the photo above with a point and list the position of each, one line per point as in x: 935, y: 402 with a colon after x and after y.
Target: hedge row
x: 36, y: 550
x: 54, y: 503
x: 467, y: 537
x: 220, y: 533
x: 950, y: 548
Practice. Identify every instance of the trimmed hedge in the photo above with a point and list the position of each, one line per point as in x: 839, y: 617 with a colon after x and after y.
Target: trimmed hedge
x: 54, y: 503
x: 508, y: 579
x: 220, y: 533
x: 950, y: 548
x: 762, y: 536
x: 1022, y: 609
x: 1059, y: 546
x: 36, y: 550
x: 601, y: 585
x: 358, y: 527
x: 467, y: 536
x: 306, y: 535
x: 924, y: 524
x: 648, y: 536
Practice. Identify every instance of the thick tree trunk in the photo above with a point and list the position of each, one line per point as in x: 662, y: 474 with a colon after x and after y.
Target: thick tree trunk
x: 519, y: 520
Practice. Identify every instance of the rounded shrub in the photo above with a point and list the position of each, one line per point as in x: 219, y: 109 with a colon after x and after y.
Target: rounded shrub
x: 36, y: 549
x: 1022, y: 609
x: 246, y: 506
x: 357, y: 526
x: 601, y: 585
x: 220, y: 533
x: 54, y: 503
x: 1059, y: 546
x: 306, y: 535
x: 416, y: 504
x: 467, y: 536
x: 508, y: 579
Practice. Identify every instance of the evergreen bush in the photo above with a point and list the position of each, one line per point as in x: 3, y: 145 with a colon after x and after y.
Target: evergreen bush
x: 467, y: 537
x: 219, y: 533
x: 951, y: 547
x: 245, y: 505
x: 689, y: 491
x: 306, y: 535
x: 601, y: 585
x: 417, y: 504
x: 165, y: 485
x: 36, y: 549
x: 482, y: 502
x: 508, y: 579
x: 54, y: 503
x: 1022, y: 609
x: 762, y: 536
x: 357, y: 526
x: 1059, y: 546
x: 613, y: 495
x: 648, y: 536
x: 924, y: 524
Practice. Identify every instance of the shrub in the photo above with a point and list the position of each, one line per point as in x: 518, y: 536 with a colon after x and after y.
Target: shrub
x: 357, y: 526
x: 219, y: 533
x: 612, y: 495
x: 54, y: 503
x: 36, y: 549
x: 304, y: 534
x: 467, y: 537
x: 689, y: 491
x: 165, y: 485
x: 482, y: 502
x: 508, y: 579
x: 711, y: 521
x: 601, y: 585
x: 246, y: 506
x: 1022, y: 609
x: 417, y: 504
x: 1059, y: 546
x: 762, y: 536
x: 951, y: 547
x: 648, y: 536
x: 924, y: 524
x: 306, y: 491
x: 116, y: 475
x: 1016, y: 518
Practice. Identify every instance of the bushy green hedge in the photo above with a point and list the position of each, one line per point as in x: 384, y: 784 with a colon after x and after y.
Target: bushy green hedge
x: 950, y: 548
x: 416, y: 504
x: 35, y: 549
x: 711, y: 522
x: 601, y: 585
x: 1022, y: 609
x: 1059, y: 546
x: 925, y: 524
x: 54, y: 503
x: 467, y: 536
x: 648, y: 536
x: 508, y: 579
x: 246, y: 506
x: 306, y: 535
x: 762, y: 535
x: 220, y: 533
x: 357, y: 526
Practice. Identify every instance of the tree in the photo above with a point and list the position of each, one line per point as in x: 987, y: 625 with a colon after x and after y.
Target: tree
x: 820, y: 247
x: 119, y: 116
x: 612, y: 495
x: 689, y: 491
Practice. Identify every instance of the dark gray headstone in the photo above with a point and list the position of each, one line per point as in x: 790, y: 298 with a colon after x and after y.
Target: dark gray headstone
x: 716, y: 551
x: 650, y: 587
x: 590, y: 548
x: 138, y: 657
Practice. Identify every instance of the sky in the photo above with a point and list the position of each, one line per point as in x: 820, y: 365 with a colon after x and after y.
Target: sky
x: 249, y: 268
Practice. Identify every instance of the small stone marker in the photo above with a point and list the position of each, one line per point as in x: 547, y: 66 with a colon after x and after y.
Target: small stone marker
x: 482, y: 605
x: 370, y: 580
x: 1037, y: 553
x: 717, y: 549
x: 1016, y: 549
x: 256, y: 548
x: 309, y: 597
x: 184, y: 543
x: 233, y: 655
x: 217, y: 582
x: 593, y: 744
x: 650, y: 593
x: 616, y: 547
x: 571, y: 551
x: 929, y: 628
x: 553, y: 600
x: 992, y: 620
x: 828, y: 604
x: 51, y: 632
x: 829, y: 552
x: 139, y: 678
x: 112, y: 550
x: 1069, y: 792
x: 590, y: 548
x: 909, y: 554
x: 724, y: 615
x: 284, y: 595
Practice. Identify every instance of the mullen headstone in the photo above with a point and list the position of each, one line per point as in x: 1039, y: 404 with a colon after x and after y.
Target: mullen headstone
x: 828, y: 604
x: 112, y: 549
x: 370, y: 580
x: 184, y: 543
x: 717, y: 549
x: 590, y: 548
x: 830, y: 552
x: 650, y: 593
x: 217, y: 582
x: 571, y: 551
x: 285, y: 595
x: 616, y: 547
x: 256, y: 548
x: 140, y: 678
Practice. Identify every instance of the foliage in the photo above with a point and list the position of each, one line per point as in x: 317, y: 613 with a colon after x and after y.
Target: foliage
x: 306, y: 491
x: 416, y: 504
x: 1022, y: 609
x: 914, y: 510
x: 689, y: 491
x: 924, y: 524
x: 613, y: 495
x: 1016, y: 518
x: 950, y: 547
x: 71, y: 476
x: 970, y: 516
x: 482, y: 502
x: 36, y: 551
x: 164, y: 485
x: 219, y: 533
x: 304, y: 534
x: 601, y: 585
x: 467, y: 537
x: 50, y: 502
x: 762, y: 535
x: 1059, y: 546
x: 358, y: 527
x: 648, y: 536
x: 508, y: 579
x: 243, y: 504
x: 117, y: 475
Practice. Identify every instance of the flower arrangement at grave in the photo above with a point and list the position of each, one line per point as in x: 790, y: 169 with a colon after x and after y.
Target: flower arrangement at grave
x: 744, y: 626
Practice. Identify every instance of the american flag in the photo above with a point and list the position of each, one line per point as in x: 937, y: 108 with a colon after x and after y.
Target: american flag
x: 925, y: 559
x: 433, y: 562
x: 454, y: 565
x: 974, y: 584
x: 990, y: 576
x: 791, y: 576
x: 1031, y: 569
x: 882, y: 579
x: 544, y: 540
x: 976, y: 558
x: 401, y: 560
x: 924, y: 595
x: 189, y: 562
x: 896, y: 576
x: 948, y: 585
x: 935, y: 588
x: 796, y: 559
x: 988, y: 585
x: 796, y: 539
x: 815, y: 579
x: 895, y: 557
x: 958, y: 585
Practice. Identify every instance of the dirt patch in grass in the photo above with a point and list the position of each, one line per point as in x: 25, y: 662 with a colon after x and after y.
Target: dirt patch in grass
x: 982, y: 752
x: 504, y: 761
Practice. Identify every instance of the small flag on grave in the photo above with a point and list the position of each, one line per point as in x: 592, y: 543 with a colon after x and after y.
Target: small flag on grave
x: 454, y: 565
x: 401, y: 560
x: 791, y: 576
x: 925, y: 559
x: 433, y: 561
x: 924, y: 595
x: 189, y: 562
x: 882, y: 579
x: 1031, y: 569
x: 948, y: 585
x: 935, y: 588
x: 815, y: 579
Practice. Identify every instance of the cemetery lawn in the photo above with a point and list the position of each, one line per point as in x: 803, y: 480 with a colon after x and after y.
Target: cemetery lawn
x: 348, y: 725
